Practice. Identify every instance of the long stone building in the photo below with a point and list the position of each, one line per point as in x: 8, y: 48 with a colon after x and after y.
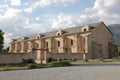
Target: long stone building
x: 93, y: 40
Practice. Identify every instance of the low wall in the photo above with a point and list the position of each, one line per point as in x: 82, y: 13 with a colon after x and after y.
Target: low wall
x: 18, y: 57
x: 65, y: 55
x: 14, y: 57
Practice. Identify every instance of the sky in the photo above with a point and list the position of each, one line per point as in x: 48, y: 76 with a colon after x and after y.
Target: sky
x: 20, y: 18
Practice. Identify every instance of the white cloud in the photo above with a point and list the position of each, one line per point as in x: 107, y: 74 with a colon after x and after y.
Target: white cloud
x: 16, y: 24
x: 62, y: 21
x: 16, y: 2
x: 45, y: 3
x: 103, y: 10
x: 108, y: 12
x: 11, y: 12
x: 37, y: 18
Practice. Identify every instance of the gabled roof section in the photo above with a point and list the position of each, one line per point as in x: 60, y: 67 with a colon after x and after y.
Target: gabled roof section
x: 67, y: 31
x: 107, y: 27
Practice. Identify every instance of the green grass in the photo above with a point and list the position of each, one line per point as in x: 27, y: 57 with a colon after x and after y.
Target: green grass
x: 12, y: 66
x: 33, y: 66
x: 4, y: 67
x: 48, y: 65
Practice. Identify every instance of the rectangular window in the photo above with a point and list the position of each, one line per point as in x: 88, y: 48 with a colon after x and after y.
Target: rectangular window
x: 71, y: 42
x: 58, y: 43
x: 37, y: 45
x: 46, y: 44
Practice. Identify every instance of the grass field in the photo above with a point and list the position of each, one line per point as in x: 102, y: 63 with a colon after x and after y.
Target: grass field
x: 4, y: 67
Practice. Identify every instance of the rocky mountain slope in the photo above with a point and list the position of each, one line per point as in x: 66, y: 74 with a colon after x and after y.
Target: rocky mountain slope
x: 115, y: 28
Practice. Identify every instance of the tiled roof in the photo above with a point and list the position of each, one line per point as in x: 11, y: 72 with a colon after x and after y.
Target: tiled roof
x: 68, y: 31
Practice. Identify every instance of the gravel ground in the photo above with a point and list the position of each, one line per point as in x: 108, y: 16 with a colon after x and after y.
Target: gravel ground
x: 79, y: 72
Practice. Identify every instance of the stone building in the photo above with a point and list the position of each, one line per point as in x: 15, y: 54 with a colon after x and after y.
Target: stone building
x: 92, y: 39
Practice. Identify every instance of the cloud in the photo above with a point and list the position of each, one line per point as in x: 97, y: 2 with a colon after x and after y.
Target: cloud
x: 15, y: 25
x: 108, y: 12
x: 15, y: 22
x: 11, y: 12
x: 63, y: 21
x: 15, y: 2
x: 45, y: 3
x: 103, y: 10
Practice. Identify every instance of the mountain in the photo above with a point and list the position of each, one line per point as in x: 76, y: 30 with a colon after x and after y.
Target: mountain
x: 115, y: 29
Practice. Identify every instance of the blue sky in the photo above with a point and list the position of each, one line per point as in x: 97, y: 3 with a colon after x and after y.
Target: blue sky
x: 26, y: 17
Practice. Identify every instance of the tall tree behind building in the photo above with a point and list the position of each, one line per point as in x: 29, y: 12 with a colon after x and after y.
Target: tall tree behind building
x: 1, y: 40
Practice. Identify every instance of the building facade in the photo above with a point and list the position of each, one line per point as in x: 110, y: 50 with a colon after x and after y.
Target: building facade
x: 93, y: 39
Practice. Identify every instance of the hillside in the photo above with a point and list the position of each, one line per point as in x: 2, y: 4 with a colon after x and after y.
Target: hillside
x: 115, y: 28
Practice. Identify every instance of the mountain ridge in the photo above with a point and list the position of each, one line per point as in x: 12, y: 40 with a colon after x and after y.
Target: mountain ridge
x: 115, y: 29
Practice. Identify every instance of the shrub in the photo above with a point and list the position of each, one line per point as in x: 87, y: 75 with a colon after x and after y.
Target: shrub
x: 65, y: 59
x: 60, y: 59
x: 86, y: 60
x: 61, y: 63
x: 32, y: 66
x: 65, y: 63
x: 54, y: 64
x: 74, y: 59
x: 50, y: 59
x: 30, y: 60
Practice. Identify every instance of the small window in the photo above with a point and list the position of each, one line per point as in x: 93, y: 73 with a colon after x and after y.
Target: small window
x: 58, y: 34
x: 46, y: 44
x: 38, y: 37
x: 71, y: 42
x: 58, y: 43
x: 85, y: 29
x: 37, y: 45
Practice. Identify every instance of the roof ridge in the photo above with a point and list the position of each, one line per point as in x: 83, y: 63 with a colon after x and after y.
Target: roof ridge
x: 69, y: 30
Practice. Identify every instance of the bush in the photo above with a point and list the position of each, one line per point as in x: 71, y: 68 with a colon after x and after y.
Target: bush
x: 61, y: 63
x: 32, y: 66
x: 86, y: 60
x: 54, y: 64
x: 74, y: 59
x: 50, y: 59
x: 60, y: 59
x: 65, y: 63
x: 30, y: 60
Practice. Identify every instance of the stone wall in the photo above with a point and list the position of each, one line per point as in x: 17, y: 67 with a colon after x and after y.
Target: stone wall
x: 15, y: 57
x: 58, y: 56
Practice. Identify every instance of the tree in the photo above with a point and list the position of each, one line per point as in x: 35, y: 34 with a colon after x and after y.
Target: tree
x: 1, y: 40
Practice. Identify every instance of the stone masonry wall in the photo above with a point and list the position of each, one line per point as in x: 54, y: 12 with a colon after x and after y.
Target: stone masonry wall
x: 65, y: 55
x: 15, y: 57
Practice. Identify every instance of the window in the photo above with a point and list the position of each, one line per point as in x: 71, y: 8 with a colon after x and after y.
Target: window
x: 58, y: 34
x: 37, y: 45
x: 46, y: 44
x: 85, y: 29
x: 71, y: 42
x: 38, y: 37
x: 58, y: 43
